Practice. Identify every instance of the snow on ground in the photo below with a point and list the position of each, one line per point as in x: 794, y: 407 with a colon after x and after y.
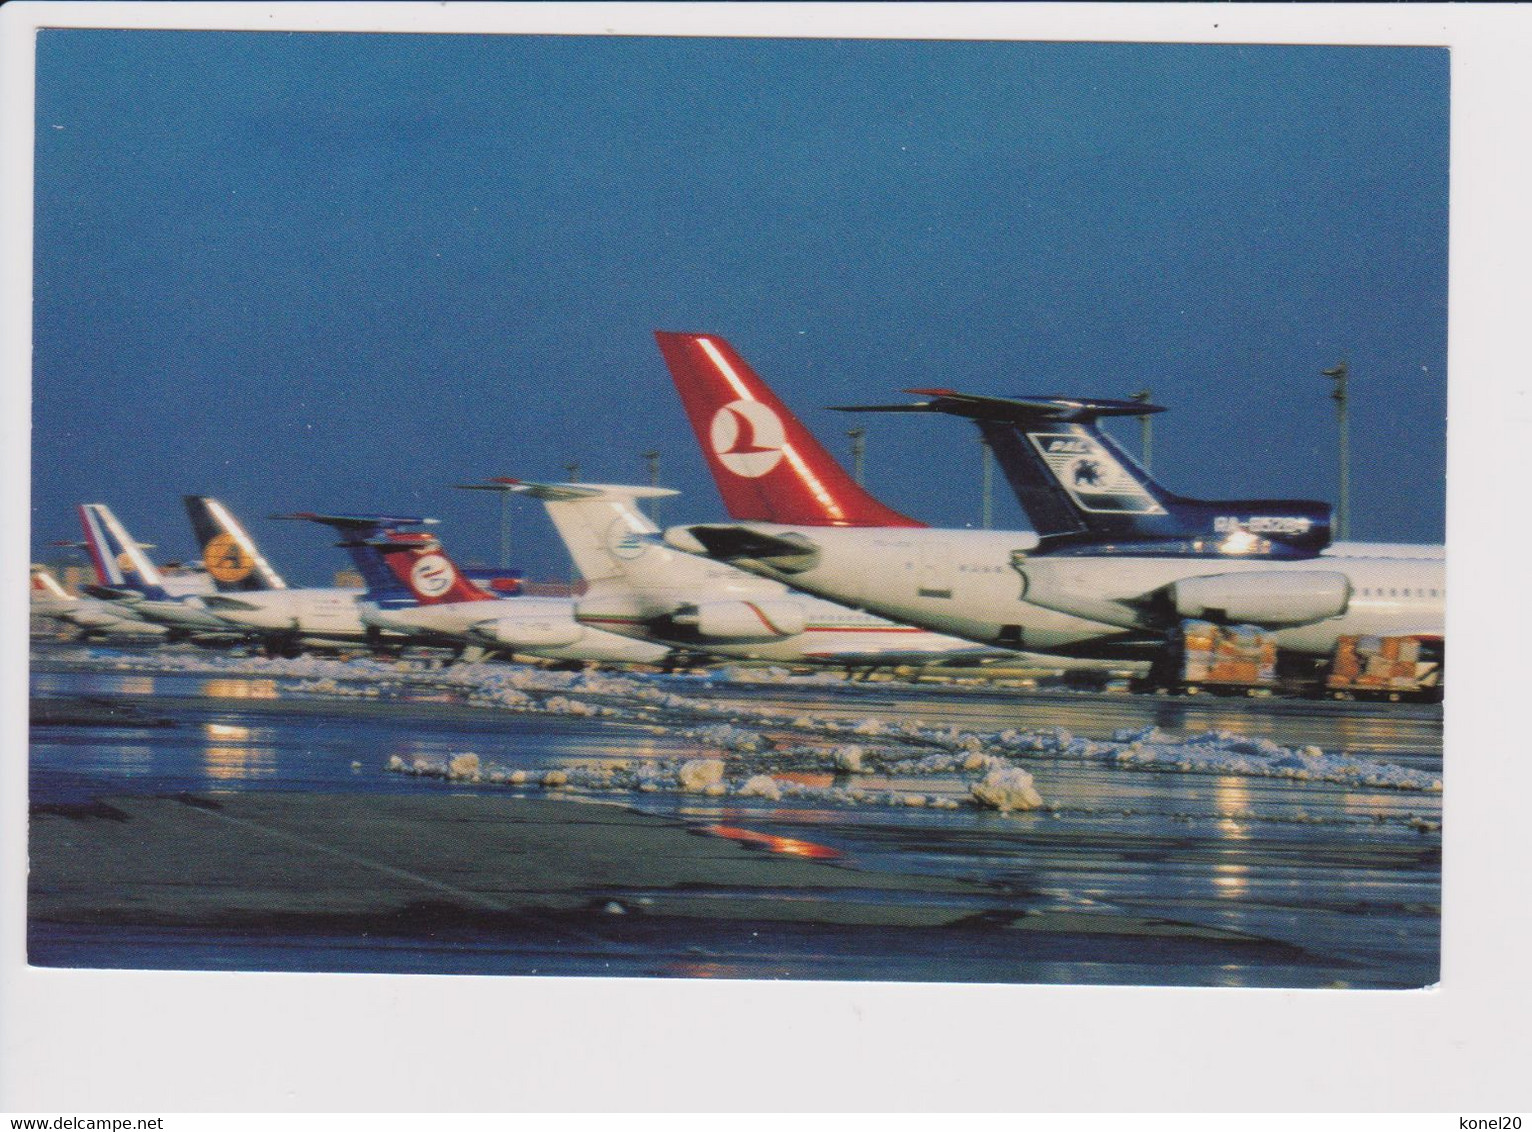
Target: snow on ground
x: 757, y: 738
x: 706, y: 777
x: 1224, y: 752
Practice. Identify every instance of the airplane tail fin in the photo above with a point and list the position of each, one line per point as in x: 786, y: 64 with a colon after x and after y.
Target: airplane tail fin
x: 395, y: 562
x: 605, y: 532
x: 767, y: 465
x: 46, y: 587
x: 357, y: 534
x: 417, y: 561
x: 119, y: 559
x: 404, y: 567
x: 229, y: 554
x: 1079, y: 487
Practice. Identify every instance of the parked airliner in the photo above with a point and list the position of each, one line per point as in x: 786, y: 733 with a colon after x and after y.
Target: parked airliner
x: 127, y: 577
x: 802, y: 520
x: 415, y: 590
x: 1116, y: 546
x: 640, y: 587
x: 254, y: 597
x: 92, y: 616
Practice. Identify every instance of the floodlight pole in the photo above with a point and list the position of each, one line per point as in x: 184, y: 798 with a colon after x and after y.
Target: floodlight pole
x: 652, y: 462
x: 572, y: 470
x: 858, y: 452
x: 987, y: 478
x: 1340, y: 375
x: 505, y: 530
x: 1145, y: 428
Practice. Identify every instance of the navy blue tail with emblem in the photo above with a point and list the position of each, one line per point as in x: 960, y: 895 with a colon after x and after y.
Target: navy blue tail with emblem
x: 1085, y: 495
x: 359, y: 535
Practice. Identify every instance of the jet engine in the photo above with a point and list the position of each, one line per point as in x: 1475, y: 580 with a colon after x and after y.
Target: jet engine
x: 1265, y: 597
x: 742, y: 620
x: 88, y: 618
x: 529, y: 631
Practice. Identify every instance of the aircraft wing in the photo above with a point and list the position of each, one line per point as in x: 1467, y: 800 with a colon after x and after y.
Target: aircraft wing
x: 223, y: 601
x: 114, y: 593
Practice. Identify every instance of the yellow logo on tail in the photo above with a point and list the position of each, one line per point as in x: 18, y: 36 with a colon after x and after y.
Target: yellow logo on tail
x: 226, y: 560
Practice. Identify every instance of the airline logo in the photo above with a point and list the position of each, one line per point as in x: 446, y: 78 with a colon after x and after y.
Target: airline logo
x: 748, y: 438
x: 1092, y: 476
x: 125, y: 562
x: 226, y: 560
x: 432, y: 575
x: 623, y: 541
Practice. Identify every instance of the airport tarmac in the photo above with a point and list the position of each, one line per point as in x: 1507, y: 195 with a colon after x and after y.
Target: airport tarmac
x: 194, y: 811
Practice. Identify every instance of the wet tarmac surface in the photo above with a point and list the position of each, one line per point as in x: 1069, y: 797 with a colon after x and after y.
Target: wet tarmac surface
x: 1128, y: 875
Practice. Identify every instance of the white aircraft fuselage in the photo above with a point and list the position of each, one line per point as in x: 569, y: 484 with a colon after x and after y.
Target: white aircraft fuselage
x: 642, y: 588
x: 535, y: 626
x: 187, y: 613
x: 949, y: 581
x: 989, y: 586
x: 319, y: 613
x: 93, y: 616
x: 1307, y: 603
x: 826, y: 632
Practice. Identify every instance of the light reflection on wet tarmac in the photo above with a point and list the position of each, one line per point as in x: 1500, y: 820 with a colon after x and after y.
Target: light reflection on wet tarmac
x: 1403, y: 732
x: 1334, y: 874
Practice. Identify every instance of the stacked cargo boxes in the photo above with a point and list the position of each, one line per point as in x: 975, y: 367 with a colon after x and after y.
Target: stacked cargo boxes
x: 1381, y: 664
x: 1227, y: 655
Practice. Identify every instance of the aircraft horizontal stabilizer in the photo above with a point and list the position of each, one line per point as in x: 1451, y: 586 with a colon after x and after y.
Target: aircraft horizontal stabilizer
x: 1018, y: 409
x: 359, y: 520
x: 570, y: 492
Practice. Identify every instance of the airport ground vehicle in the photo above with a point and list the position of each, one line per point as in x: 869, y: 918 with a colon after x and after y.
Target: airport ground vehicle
x: 1201, y: 656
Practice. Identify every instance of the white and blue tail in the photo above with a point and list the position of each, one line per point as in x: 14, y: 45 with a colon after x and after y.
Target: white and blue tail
x: 120, y: 561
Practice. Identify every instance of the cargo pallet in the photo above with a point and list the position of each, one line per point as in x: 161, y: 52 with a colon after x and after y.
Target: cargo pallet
x: 1386, y: 668
x: 1201, y: 656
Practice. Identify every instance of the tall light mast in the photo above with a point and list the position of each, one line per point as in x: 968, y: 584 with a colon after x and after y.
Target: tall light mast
x: 652, y: 466
x: 858, y: 452
x: 1145, y: 428
x: 1339, y: 374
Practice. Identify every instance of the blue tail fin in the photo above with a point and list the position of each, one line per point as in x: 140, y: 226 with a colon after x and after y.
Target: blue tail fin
x: 229, y: 554
x: 376, y: 542
x: 358, y: 537
x: 1084, y: 493
x: 120, y: 561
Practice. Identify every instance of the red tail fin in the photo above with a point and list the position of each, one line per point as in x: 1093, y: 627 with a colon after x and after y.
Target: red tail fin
x: 768, y: 467
x: 417, y: 560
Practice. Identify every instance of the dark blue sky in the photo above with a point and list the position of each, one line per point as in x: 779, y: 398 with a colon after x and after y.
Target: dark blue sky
x: 334, y: 271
